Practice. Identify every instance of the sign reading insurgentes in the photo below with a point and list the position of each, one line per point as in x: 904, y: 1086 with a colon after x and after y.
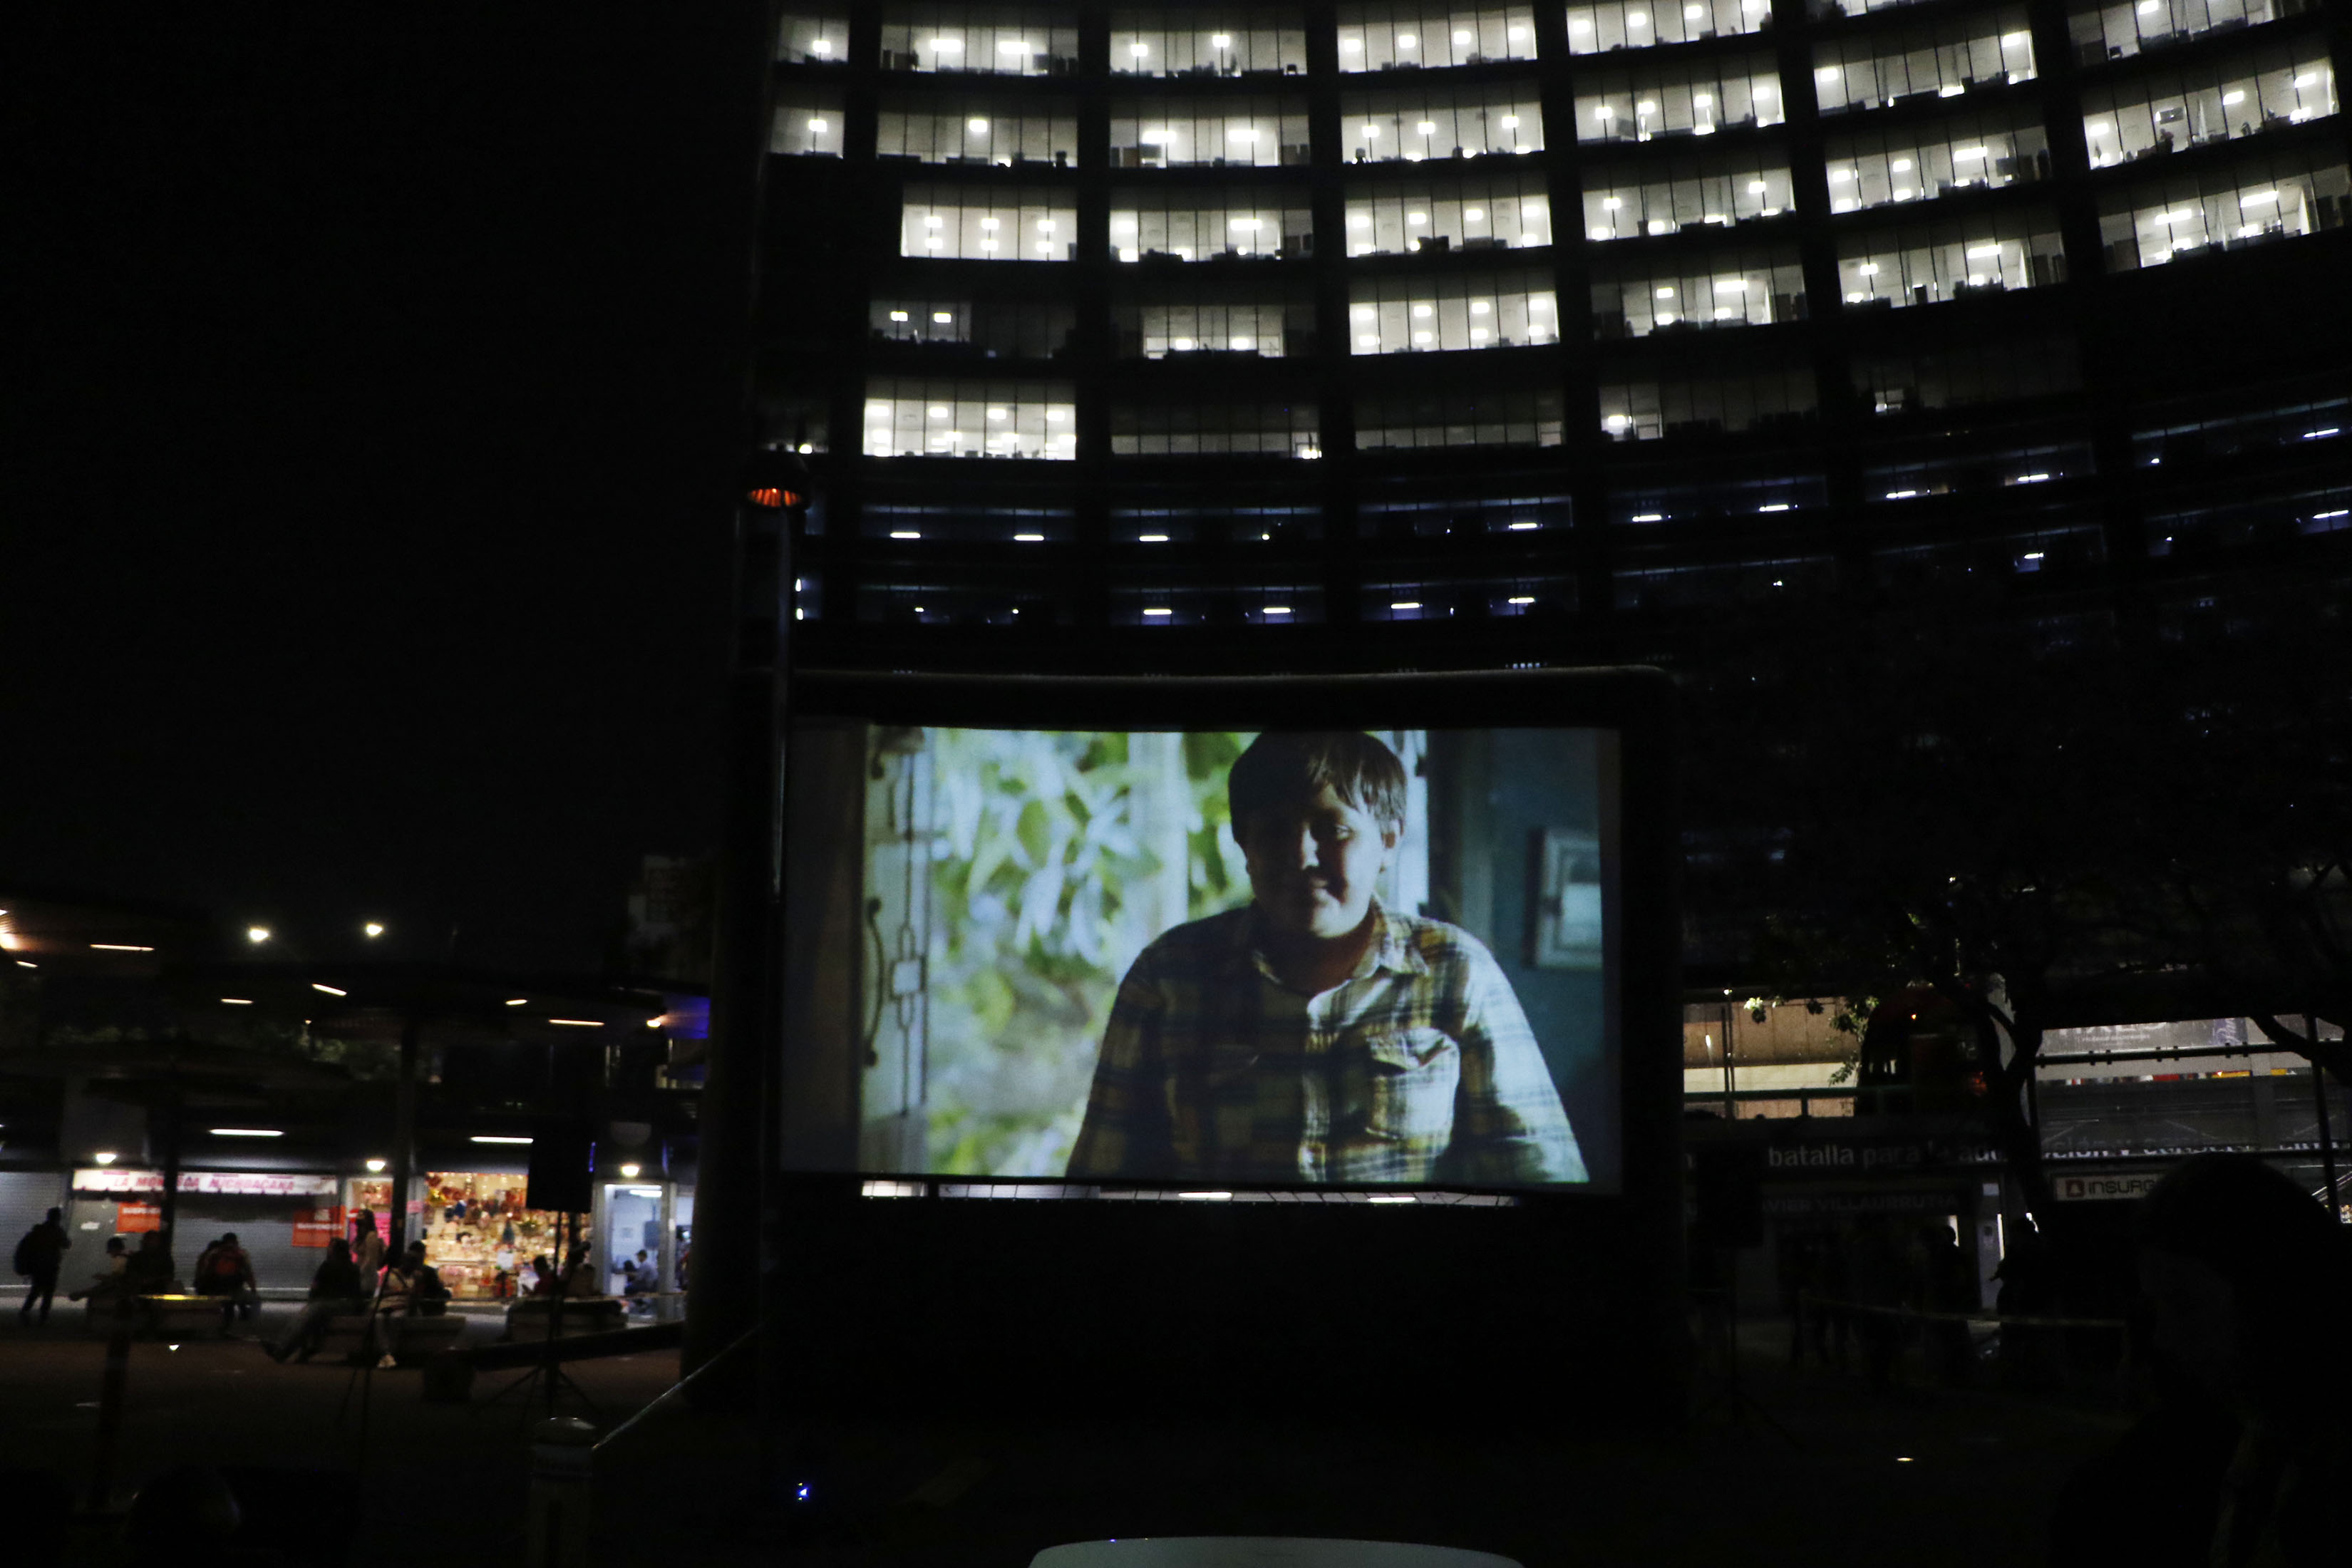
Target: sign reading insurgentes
x: 2127, y: 1188
x: 232, y: 1183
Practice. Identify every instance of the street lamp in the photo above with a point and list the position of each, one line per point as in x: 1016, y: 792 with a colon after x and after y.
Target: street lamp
x: 373, y: 928
x: 256, y: 934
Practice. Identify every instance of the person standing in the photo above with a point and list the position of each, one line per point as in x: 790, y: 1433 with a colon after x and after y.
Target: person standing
x: 39, y: 1257
x: 367, y: 1246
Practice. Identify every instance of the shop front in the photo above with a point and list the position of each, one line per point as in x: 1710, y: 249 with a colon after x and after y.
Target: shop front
x: 276, y: 1216
x: 478, y: 1232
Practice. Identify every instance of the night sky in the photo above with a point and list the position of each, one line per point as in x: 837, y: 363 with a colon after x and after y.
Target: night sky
x: 373, y: 402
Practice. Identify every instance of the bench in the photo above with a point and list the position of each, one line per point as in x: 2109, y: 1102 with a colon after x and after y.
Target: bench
x: 161, y: 1317
x: 416, y: 1337
x: 528, y: 1319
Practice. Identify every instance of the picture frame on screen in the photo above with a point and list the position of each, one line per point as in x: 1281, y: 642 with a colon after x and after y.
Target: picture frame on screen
x: 1208, y: 935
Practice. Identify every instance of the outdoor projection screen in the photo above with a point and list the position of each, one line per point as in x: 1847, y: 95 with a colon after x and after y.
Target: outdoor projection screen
x: 1055, y: 954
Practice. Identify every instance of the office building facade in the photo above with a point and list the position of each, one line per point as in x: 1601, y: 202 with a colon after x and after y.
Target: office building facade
x: 1363, y: 335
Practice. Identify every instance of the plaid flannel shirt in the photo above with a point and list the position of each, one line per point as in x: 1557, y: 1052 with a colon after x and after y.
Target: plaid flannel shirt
x: 1419, y: 1066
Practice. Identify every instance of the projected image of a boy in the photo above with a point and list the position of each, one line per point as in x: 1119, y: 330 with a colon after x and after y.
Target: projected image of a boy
x: 1313, y: 1034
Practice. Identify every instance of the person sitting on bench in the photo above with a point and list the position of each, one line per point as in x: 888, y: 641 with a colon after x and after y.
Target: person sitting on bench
x: 335, y: 1290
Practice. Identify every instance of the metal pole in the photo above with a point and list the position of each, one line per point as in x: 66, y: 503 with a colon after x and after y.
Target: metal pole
x: 404, y: 1139
x: 2319, y: 1097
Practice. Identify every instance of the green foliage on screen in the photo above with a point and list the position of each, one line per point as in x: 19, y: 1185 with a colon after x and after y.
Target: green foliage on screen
x: 1057, y: 856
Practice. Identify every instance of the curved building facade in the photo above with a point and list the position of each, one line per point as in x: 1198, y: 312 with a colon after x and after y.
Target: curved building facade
x: 1359, y: 336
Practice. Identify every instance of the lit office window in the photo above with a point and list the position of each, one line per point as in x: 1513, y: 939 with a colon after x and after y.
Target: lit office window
x: 997, y: 329
x: 1014, y: 528
x: 2249, y: 203
x: 2124, y: 28
x: 1275, y: 427
x: 962, y: 222
x: 1465, y: 122
x: 2251, y: 522
x: 1716, y: 585
x: 1165, y: 600
x: 809, y: 40
x: 977, y: 130
x: 918, y: 417
x: 1504, y: 212
x: 1718, y: 500
x: 1639, y: 23
x: 1208, y: 133
x: 1701, y: 293
x: 1456, y: 596
x: 1697, y: 97
x: 1205, y: 326
x: 1243, y: 40
x: 2187, y: 435
x: 807, y: 122
x: 1894, y: 384
x: 1934, y: 59
x: 800, y: 422
x: 1004, y: 40
x: 1665, y: 197
x: 1458, y: 418
x: 1983, y: 559
x: 2211, y: 101
x: 1265, y: 529
x: 1986, y: 467
x: 1177, y: 224
x: 1678, y: 405
x: 967, y: 598
x: 1457, y: 516
x: 1919, y: 163
x: 1402, y: 314
x: 1826, y: 10
x: 1953, y: 260
x: 1409, y: 34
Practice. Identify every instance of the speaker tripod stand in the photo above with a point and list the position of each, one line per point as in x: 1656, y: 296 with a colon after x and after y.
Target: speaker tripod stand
x: 549, y: 1375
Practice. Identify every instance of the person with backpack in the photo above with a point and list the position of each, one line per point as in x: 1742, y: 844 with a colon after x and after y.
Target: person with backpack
x: 227, y: 1271
x: 40, y: 1256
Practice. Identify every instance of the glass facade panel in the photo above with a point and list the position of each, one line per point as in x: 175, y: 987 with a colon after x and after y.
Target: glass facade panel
x: 1214, y: 321
x: 1502, y: 212
x: 1940, y: 59
x: 1188, y: 41
x: 807, y: 122
x: 1459, y: 123
x: 1203, y: 225
x: 2249, y: 203
x: 1204, y: 133
x: 954, y: 223
x: 1282, y: 428
x: 812, y: 40
x: 1919, y: 163
x: 978, y: 131
x: 1975, y: 473
x: 999, y: 329
x: 2116, y: 31
x: 1411, y: 35
x: 1716, y: 500
x: 1458, y: 419
x: 1664, y: 198
x: 1726, y: 288
x: 1465, y: 516
x: 1413, y: 315
x: 1646, y: 409
x: 1002, y: 40
x: 1925, y: 263
x: 1894, y: 384
x: 1697, y: 97
x: 1638, y: 24
x: 929, y: 416
x: 2172, y: 110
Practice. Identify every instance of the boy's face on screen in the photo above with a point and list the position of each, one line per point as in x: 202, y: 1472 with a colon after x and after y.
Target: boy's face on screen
x: 1313, y: 866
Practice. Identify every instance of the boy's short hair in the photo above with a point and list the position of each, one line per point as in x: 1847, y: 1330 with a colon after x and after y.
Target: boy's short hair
x: 1286, y: 767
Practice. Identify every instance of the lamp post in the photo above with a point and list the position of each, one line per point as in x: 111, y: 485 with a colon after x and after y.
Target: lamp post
x: 737, y: 1122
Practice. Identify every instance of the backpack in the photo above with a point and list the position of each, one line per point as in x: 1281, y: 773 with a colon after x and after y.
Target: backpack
x: 225, y: 1263
x: 22, y: 1260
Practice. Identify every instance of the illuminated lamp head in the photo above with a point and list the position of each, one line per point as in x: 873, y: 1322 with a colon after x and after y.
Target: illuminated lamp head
x: 776, y: 480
